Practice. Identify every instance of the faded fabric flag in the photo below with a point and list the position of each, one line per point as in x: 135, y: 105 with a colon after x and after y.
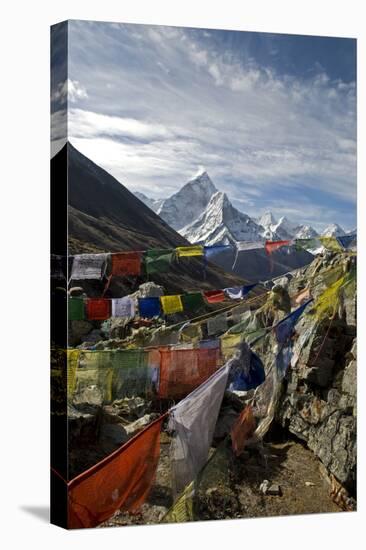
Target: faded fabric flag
x: 271, y: 246
x: 188, y: 251
x: 285, y: 327
x: 121, y: 481
x: 125, y: 264
x: 192, y: 423
x: 88, y: 266
x: 98, y: 309
x: 171, y: 304
x: 149, y: 307
x: 246, y: 370
x: 76, y: 309
x: 217, y: 324
x: 123, y: 307
x: 158, y: 260
x: 214, y: 296
x: 242, y: 430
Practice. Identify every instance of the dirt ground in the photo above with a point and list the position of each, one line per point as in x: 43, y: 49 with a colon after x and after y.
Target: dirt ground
x: 229, y: 486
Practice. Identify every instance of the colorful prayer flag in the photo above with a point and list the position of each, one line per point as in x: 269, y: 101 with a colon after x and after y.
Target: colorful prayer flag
x: 192, y: 301
x: 98, y: 309
x: 88, y: 266
x: 188, y: 251
x: 246, y: 370
x: 212, y: 251
x: 285, y: 327
x: 158, y: 260
x: 307, y: 244
x: 242, y: 430
x: 348, y: 241
x: 182, y: 509
x: 271, y: 246
x: 214, y: 296
x: 217, y: 324
x: 171, y: 304
x: 149, y: 307
x: 121, y: 481
x: 123, y: 307
x: 330, y: 243
x: 73, y: 356
x: 126, y: 264
x: 193, y: 422
x: 238, y: 292
x: 76, y: 309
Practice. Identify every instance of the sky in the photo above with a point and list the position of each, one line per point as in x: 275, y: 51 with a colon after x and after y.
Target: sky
x: 270, y: 117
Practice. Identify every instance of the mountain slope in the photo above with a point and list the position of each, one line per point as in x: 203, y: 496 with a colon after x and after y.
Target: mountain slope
x: 105, y: 216
x: 186, y: 205
x: 333, y: 230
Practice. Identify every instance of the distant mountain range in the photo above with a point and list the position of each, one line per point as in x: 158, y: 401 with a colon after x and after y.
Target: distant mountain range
x: 202, y: 214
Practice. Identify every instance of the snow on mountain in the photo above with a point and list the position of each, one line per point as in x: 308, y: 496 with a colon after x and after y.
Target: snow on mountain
x: 333, y: 230
x: 188, y: 203
x: 154, y: 204
x: 267, y: 219
x: 221, y: 223
x: 305, y: 232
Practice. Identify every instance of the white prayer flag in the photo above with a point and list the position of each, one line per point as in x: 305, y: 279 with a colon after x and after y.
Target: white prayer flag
x: 88, y: 266
x: 123, y: 307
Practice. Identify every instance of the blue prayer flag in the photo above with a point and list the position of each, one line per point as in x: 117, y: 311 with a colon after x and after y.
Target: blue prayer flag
x: 149, y: 307
x: 346, y: 241
x: 246, y: 371
x: 284, y: 328
x: 211, y: 251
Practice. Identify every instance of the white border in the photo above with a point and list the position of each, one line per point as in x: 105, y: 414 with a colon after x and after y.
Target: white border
x: 24, y: 172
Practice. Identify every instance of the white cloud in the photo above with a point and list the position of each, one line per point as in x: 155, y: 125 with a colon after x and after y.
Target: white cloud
x: 71, y: 90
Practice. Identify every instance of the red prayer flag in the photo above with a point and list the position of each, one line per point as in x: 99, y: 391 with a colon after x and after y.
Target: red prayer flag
x: 214, y: 296
x: 242, y: 430
x: 271, y: 246
x: 98, y: 309
x: 121, y: 481
x: 126, y: 263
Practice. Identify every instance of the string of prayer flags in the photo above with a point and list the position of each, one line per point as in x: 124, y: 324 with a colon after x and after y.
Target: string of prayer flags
x: 76, y: 309
x: 98, y: 309
x: 246, y: 370
x: 217, y: 324
x: 330, y: 243
x: 121, y: 481
x: 192, y: 301
x: 214, y: 296
x: 347, y: 241
x: 158, y: 260
x: 188, y: 251
x: 192, y: 422
x: 88, y: 266
x: 285, y: 327
x: 123, y: 307
x: 182, y: 370
x: 149, y: 307
x: 124, y: 264
x: 242, y: 430
x: 171, y: 304
x: 271, y: 246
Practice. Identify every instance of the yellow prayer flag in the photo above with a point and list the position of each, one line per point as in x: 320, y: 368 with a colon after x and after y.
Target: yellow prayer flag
x: 331, y: 243
x: 171, y: 304
x: 72, y: 365
x: 182, y: 509
x: 229, y: 344
x: 185, y: 251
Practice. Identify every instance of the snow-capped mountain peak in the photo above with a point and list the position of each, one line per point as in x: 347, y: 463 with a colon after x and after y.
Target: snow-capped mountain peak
x: 267, y: 219
x: 154, y: 204
x: 333, y: 230
x: 305, y: 232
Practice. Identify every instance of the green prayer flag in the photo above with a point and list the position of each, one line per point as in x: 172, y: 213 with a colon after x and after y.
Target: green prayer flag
x: 76, y: 309
x: 306, y: 243
x: 158, y: 260
x: 192, y: 301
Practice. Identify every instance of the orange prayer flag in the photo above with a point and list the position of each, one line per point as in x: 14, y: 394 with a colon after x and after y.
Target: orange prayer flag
x: 242, y: 430
x: 214, y: 296
x: 121, y: 481
x: 271, y: 246
x: 98, y: 309
x: 126, y: 263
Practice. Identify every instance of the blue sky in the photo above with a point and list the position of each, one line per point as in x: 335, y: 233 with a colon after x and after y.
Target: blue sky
x: 270, y: 117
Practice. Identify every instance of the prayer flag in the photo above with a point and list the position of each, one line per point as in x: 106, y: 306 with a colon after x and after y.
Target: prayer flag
x: 121, y: 481
x: 192, y: 301
x: 242, y: 430
x: 123, y: 307
x: 192, y: 423
x: 248, y: 245
x: 73, y: 356
x: 182, y: 509
x: 283, y: 358
x: 348, y: 241
x: 158, y: 260
x: 76, y: 309
x: 330, y: 243
x: 126, y: 264
x: 149, y: 307
x: 214, y: 296
x: 271, y: 246
x: 285, y: 327
x: 171, y: 304
x: 98, y: 309
x: 217, y: 324
x: 238, y: 292
x: 246, y: 370
x: 307, y: 244
x: 229, y: 344
x: 88, y: 266
x: 212, y: 251
x: 187, y: 251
